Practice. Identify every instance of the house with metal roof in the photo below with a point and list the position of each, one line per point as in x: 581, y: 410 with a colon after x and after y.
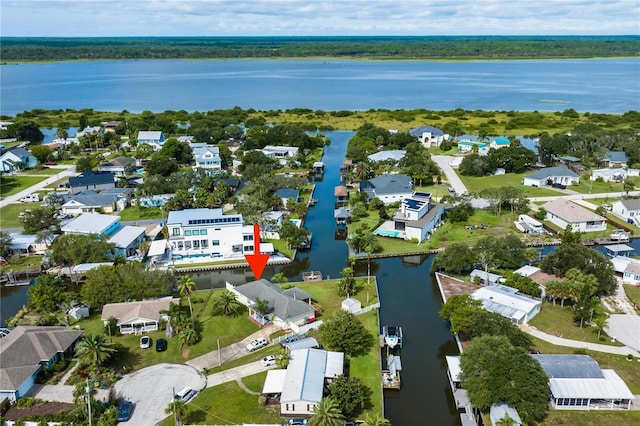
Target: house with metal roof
x: 95, y: 181
x: 119, y: 166
x: 577, y: 382
x: 498, y: 143
x: 127, y: 239
x: 286, y: 308
x: 286, y: 194
x: 152, y: 137
x: 93, y: 223
x: 615, y: 159
x: 429, y: 135
x: 25, y: 245
x: 550, y: 175
x: 628, y: 267
x: 562, y: 212
x: 627, y: 209
x: 89, y: 201
x: 138, y: 317
x: 388, y: 188
x: 394, y: 155
x: 26, y: 350
x: 486, y: 278
x: 416, y: 218
x: 301, y: 386
x: 207, y: 157
x: 282, y: 154
x: 503, y: 300
x: 16, y: 158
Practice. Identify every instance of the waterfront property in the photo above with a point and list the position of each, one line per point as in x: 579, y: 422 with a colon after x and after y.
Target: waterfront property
x: 416, y: 218
x: 27, y: 350
x: 388, y: 188
x: 119, y: 166
x: 627, y: 209
x: 207, y: 157
x: 562, y: 213
x: 485, y: 278
x: 95, y: 181
x: 208, y: 233
x: 127, y: 239
x: 628, y: 267
x: 577, y: 382
x: 393, y: 155
x: 429, y: 136
x: 498, y: 143
x: 282, y: 154
x: 341, y: 193
x: 26, y: 245
x: 300, y: 387
x: 88, y: 201
x: 551, y: 175
x: 503, y: 300
x: 138, y: 317
x: 499, y: 412
x: 287, y: 309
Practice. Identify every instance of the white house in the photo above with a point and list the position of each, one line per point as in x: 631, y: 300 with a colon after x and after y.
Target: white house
x: 503, y: 300
x: 429, y: 135
x: 89, y: 202
x: 416, y: 218
x: 465, y: 146
x: 127, y: 239
x: 551, y: 175
x: 208, y: 233
x: 562, y: 212
x: 394, y: 155
x: 287, y: 309
x: 498, y: 143
x: 280, y: 153
x: 207, y: 157
x: 138, y: 317
x: 486, y: 278
x: 301, y: 386
x: 609, y: 175
x: 576, y: 382
x: 389, y: 188
x: 627, y: 209
x: 151, y: 137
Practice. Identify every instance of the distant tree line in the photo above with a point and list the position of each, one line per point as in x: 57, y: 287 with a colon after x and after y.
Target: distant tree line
x: 461, y: 47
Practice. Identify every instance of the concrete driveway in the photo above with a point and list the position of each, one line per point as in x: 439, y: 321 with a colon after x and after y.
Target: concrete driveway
x: 152, y: 388
x: 65, y: 171
x: 454, y: 181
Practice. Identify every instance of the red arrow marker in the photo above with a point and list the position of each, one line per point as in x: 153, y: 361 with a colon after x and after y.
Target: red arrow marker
x: 257, y: 261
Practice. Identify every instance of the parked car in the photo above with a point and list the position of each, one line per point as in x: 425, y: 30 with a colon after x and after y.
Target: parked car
x: 558, y: 185
x: 294, y: 422
x: 145, y: 342
x: 31, y: 198
x: 50, y: 163
x: 185, y: 394
x: 607, y: 207
x: 268, y: 360
x: 161, y: 345
x: 257, y: 344
x: 125, y: 411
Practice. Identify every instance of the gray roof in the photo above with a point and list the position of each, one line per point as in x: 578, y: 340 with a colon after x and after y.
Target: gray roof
x: 297, y: 294
x: 552, y: 171
x: 569, y: 366
x: 341, y: 213
x: 19, y: 151
x: 283, y: 305
x: 418, y: 131
x: 571, y: 212
x: 387, y: 184
x: 116, y: 191
x: 617, y: 157
x: 150, y: 134
x: 288, y: 193
x: 92, y: 178
x: 570, y: 158
x: 120, y: 162
x: 393, y: 154
x: 306, y: 372
x: 631, y: 203
x: 24, y: 348
x: 90, y: 199
x: 126, y: 235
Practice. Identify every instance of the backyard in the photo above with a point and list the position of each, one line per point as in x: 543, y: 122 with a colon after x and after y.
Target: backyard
x: 476, y: 184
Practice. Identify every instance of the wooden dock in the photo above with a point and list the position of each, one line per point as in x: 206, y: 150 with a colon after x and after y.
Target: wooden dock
x: 312, y: 276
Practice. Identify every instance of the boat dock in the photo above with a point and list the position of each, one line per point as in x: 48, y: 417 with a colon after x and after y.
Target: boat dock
x: 391, y: 375
x: 312, y: 276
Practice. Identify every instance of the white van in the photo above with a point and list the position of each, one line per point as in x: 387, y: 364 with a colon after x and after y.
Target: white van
x: 31, y: 198
x: 185, y: 394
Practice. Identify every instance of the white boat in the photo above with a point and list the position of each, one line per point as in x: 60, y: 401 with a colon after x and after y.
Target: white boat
x: 392, y: 336
x: 620, y: 235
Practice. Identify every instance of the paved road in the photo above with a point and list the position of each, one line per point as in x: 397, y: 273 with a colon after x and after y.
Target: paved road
x: 67, y: 171
x: 454, y: 181
x: 151, y: 390
x: 236, y: 373
x: 577, y: 196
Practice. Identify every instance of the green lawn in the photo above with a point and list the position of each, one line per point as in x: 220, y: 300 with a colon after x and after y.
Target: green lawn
x: 27, y: 263
x: 633, y: 293
x: 131, y: 214
x: 10, y: 185
x: 476, y: 184
x: 587, y: 186
x: 45, y: 171
x: 556, y: 321
x: 592, y: 418
x: 9, y: 214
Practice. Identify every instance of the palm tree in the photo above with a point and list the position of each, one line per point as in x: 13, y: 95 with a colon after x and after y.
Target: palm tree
x: 506, y: 420
x: 178, y: 409
x: 600, y: 321
x: 346, y: 286
x: 186, y: 286
x: 177, y: 317
x: 188, y: 336
x: 326, y: 413
x: 370, y: 244
x: 376, y: 420
x: 94, y: 349
x: 228, y: 304
x: 280, y: 277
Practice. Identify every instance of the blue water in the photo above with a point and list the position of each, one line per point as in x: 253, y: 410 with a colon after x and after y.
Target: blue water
x: 597, y: 85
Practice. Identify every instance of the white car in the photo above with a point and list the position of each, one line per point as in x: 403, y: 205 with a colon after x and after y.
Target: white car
x: 607, y: 207
x: 257, y: 344
x: 145, y: 342
x: 268, y: 360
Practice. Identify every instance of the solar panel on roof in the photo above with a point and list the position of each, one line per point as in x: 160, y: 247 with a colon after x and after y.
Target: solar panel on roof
x: 414, y: 204
x: 422, y: 194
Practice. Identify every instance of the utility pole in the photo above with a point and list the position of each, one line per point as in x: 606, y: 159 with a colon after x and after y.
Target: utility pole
x: 175, y: 417
x: 219, y: 354
x: 88, y: 390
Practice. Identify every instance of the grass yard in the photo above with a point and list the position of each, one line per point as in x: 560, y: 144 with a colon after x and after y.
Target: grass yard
x: 629, y: 371
x: 556, y: 321
x: 592, y: 418
x: 26, y: 263
x: 587, y: 186
x: 131, y: 214
x: 9, y: 214
x: 13, y: 184
x: 476, y: 184
x: 229, y: 330
x: 633, y: 293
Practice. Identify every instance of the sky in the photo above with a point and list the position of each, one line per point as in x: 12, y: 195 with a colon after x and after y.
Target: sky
x: 78, y: 18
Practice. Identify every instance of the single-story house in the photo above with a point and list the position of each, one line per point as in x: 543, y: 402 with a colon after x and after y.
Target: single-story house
x: 341, y: 193
x: 301, y: 386
x: 627, y: 209
x: 25, y: 245
x: 562, y: 212
x: 628, y: 267
x: 499, y: 412
x: 95, y: 181
x: 486, y: 278
x: 536, y: 275
x: 615, y: 160
x: 89, y: 201
x: 394, y: 155
x: 286, y: 194
x: 157, y: 252
x: 429, y: 135
x: 155, y: 200
x: 154, y: 138
x: 280, y: 153
x: 127, y: 239
x: 119, y: 166
x: 138, y: 317
x: 609, y: 175
x: 577, y: 382
x: 89, y: 130
x: 389, y: 188
x: 286, y: 308
x: 92, y: 223
x: 503, y: 300
x: 550, y: 175
x: 16, y: 158
x: 498, y: 143
x: 26, y: 350
x: 465, y: 146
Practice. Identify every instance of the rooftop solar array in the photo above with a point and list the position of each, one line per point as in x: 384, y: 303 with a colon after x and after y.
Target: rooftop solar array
x: 215, y: 220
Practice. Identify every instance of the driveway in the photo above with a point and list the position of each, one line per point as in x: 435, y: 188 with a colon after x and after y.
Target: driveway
x: 151, y: 390
x: 65, y: 171
x: 236, y: 373
x: 454, y: 181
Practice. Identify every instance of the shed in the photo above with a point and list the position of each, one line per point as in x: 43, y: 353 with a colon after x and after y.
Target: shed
x: 306, y: 343
x: 351, y: 305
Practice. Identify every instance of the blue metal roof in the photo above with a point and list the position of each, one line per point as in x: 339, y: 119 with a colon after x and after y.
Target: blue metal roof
x: 287, y: 193
x: 570, y: 366
x: 418, y: 131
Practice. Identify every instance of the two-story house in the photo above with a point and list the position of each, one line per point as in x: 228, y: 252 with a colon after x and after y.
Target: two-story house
x: 207, y: 157
x: 416, y: 218
x: 155, y: 138
x: 429, y: 135
x: 15, y: 159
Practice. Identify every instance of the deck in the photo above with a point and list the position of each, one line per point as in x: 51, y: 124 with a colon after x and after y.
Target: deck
x: 312, y: 276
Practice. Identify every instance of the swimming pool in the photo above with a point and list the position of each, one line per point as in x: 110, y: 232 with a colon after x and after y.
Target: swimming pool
x: 386, y: 233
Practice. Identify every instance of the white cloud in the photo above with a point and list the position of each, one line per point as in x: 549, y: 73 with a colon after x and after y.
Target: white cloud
x: 304, y: 17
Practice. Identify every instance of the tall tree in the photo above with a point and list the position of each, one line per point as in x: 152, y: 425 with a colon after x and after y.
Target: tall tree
x: 459, y: 310
x: 5, y: 243
x: 39, y: 218
x: 347, y: 284
x: 326, y: 413
x: 345, y: 333
x: 350, y: 394
x: 178, y: 409
x: 76, y: 248
x: 94, y: 350
x: 227, y: 304
x: 186, y: 286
